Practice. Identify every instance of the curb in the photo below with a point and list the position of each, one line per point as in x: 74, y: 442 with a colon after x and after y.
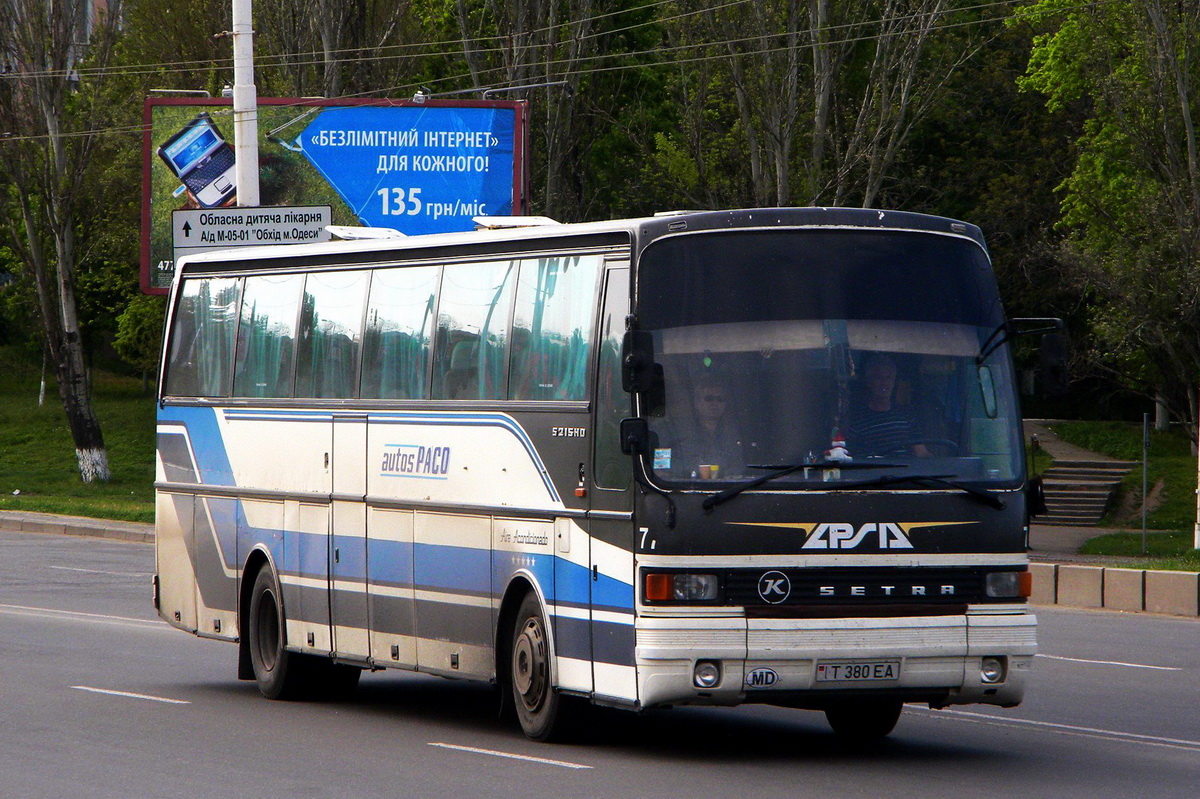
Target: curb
x: 1111, y: 588
x: 30, y: 522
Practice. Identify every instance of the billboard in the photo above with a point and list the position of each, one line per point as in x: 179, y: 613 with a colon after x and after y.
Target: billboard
x: 418, y: 167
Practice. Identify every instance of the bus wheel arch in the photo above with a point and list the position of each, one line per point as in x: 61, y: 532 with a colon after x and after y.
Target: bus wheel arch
x: 530, y: 672
x: 280, y: 674
x: 525, y: 668
x: 256, y: 562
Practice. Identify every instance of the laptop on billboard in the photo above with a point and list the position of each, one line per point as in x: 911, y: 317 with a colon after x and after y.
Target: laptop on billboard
x: 202, y: 160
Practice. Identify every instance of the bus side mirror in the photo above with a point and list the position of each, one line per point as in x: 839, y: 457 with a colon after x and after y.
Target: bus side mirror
x: 1035, y: 497
x: 640, y: 374
x: 1052, y: 364
x: 635, y: 436
x: 637, y: 361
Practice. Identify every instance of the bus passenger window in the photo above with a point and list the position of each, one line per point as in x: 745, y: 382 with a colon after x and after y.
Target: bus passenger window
x: 267, y: 336
x: 399, y: 328
x: 202, y: 339
x: 473, y: 311
x: 552, y: 327
x: 330, y: 334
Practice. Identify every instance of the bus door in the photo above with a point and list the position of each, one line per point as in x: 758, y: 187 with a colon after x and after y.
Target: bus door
x: 348, y: 605
x: 611, y: 515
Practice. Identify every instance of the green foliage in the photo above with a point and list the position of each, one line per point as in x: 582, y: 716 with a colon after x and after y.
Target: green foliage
x: 38, y: 471
x: 1131, y: 205
x: 139, y: 332
x: 1170, y: 462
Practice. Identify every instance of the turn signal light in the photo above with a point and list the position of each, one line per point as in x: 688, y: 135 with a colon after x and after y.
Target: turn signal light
x: 1009, y: 585
x: 659, y: 587
x: 676, y: 587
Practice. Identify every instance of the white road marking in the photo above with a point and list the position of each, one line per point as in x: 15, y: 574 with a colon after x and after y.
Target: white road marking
x: 129, y: 695
x: 511, y: 756
x: 98, y: 571
x: 74, y: 615
x: 1064, y: 729
x: 1110, y: 663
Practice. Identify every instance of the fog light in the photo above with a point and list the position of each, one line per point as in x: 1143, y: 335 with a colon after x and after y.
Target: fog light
x: 706, y: 674
x: 991, y: 671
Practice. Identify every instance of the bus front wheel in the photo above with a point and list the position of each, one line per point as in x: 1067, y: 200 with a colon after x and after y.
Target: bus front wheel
x: 538, y: 705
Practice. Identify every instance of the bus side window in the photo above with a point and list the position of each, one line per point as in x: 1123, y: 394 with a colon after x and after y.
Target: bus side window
x: 202, y: 342
x: 613, y: 468
x: 330, y: 334
x: 267, y: 336
x: 473, y: 310
x: 400, y: 314
x: 552, y: 326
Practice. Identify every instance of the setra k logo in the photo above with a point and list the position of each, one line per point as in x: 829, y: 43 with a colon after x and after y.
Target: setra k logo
x: 774, y: 587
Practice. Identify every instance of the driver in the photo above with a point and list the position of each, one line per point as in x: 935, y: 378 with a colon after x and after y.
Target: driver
x: 713, y: 439
x: 875, y: 425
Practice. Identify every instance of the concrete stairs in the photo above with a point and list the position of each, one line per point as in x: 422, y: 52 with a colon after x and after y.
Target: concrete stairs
x: 1078, y: 491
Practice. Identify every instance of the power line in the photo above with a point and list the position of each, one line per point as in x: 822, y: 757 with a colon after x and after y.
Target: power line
x: 578, y: 66
x: 426, y: 49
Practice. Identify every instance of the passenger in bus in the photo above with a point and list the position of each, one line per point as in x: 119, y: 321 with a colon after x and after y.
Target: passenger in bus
x: 711, y: 447
x: 876, y: 426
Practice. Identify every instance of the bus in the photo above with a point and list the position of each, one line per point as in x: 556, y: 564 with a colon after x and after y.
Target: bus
x: 701, y: 458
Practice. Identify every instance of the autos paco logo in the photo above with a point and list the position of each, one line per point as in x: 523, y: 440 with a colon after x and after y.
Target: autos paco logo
x: 414, y: 460
x: 774, y: 587
x: 840, y: 535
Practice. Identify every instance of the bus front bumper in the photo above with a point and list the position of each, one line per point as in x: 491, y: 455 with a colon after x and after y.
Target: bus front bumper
x: 982, y: 657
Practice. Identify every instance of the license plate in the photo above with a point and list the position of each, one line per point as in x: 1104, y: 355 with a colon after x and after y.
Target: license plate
x: 859, y: 671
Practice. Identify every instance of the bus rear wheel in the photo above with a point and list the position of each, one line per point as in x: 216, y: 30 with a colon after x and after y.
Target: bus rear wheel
x: 279, y: 673
x: 864, y: 719
x: 538, y: 705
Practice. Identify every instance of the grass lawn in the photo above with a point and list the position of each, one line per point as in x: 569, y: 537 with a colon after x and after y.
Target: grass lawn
x: 1171, y: 551
x: 38, y: 470
x: 1172, y: 464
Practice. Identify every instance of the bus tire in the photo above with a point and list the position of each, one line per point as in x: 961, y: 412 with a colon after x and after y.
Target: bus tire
x: 864, y: 719
x: 538, y: 705
x: 279, y: 673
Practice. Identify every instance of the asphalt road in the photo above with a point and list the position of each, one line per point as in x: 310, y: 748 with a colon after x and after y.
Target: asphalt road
x: 100, y: 699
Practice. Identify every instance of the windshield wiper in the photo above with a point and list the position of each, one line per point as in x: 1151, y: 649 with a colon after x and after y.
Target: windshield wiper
x: 782, y: 470
x: 940, y: 480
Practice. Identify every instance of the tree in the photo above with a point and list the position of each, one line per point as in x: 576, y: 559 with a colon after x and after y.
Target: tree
x: 524, y: 42
x: 1132, y: 201
x: 826, y: 93
x: 49, y: 112
x: 139, y: 334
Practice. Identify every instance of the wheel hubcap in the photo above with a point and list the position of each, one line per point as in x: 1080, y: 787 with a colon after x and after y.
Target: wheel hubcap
x: 529, y: 664
x: 268, y: 632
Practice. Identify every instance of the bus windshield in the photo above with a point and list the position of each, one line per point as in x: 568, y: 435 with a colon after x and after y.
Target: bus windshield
x: 856, y: 349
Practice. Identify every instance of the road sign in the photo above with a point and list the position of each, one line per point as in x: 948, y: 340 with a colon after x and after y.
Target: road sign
x: 196, y: 231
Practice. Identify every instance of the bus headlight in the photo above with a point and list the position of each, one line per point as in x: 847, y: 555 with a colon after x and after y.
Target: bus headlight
x: 681, y: 587
x: 1009, y: 585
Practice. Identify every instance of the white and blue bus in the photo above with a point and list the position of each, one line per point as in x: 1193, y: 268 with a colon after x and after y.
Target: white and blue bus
x: 768, y: 456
